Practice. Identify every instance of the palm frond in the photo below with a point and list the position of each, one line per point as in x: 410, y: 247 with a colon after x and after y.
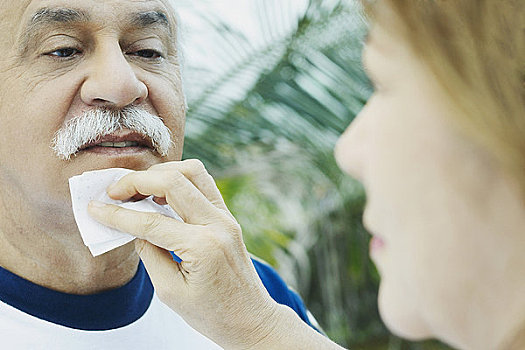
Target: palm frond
x: 269, y: 95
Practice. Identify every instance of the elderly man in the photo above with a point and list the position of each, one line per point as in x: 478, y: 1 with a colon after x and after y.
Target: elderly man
x: 87, y: 85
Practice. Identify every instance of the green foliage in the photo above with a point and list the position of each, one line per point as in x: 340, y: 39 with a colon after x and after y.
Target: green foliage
x: 262, y: 233
x: 270, y: 146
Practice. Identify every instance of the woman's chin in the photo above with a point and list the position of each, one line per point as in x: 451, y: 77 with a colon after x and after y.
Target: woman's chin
x: 400, y: 314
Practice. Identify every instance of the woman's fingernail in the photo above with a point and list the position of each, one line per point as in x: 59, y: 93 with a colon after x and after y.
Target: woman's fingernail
x: 97, y: 204
x: 111, y: 187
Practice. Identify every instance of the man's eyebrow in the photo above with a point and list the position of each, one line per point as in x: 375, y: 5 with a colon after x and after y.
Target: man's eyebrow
x: 150, y: 18
x: 49, y: 16
x: 61, y: 15
x: 57, y: 15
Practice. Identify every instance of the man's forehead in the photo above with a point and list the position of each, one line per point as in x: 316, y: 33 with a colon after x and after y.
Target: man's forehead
x: 27, y: 11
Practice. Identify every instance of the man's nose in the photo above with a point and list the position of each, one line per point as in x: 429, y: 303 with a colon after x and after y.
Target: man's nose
x: 111, y: 81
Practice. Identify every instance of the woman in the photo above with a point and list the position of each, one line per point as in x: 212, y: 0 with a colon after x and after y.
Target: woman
x: 440, y: 149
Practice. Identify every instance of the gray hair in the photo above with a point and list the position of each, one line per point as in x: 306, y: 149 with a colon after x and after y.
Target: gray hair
x: 96, y: 123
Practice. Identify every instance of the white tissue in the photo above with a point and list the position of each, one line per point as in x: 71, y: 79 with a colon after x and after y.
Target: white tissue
x: 92, y: 185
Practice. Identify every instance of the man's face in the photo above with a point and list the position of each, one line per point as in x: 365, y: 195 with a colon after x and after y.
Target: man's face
x: 64, y: 57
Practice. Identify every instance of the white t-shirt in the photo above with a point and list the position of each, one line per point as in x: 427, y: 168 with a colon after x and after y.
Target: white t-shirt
x: 128, y: 317
x: 158, y: 328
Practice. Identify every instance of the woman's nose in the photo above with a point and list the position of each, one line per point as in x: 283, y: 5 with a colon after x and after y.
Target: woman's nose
x: 350, y: 150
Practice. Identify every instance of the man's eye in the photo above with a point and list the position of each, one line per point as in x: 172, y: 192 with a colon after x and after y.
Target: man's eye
x: 64, y: 53
x: 150, y: 54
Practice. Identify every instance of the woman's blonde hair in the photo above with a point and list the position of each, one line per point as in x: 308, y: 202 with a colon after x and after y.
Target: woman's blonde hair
x: 476, y: 48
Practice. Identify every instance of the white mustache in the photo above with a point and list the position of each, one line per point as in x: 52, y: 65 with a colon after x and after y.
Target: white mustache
x: 96, y: 123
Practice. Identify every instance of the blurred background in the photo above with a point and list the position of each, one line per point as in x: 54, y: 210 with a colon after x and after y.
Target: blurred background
x: 270, y: 85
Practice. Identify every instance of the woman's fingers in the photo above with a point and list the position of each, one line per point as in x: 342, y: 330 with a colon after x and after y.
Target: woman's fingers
x: 179, y: 192
x: 158, y: 229
x: 195, y: 171
x: 167, y: 277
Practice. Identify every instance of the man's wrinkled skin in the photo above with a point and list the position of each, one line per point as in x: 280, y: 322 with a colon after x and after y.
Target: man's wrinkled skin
x: 101, y: 60
x: 49, y: 73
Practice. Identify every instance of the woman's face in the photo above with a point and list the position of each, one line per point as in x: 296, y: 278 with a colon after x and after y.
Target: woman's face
x: 438, y: 205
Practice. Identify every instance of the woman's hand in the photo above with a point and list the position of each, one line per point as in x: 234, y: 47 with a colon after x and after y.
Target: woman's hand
x: 215, y: 288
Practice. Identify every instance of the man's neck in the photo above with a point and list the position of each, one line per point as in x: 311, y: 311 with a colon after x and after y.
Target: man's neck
x: 77, y: 273
x: 49, y: 251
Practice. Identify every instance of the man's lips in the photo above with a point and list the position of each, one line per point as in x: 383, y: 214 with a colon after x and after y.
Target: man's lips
x: 119, y: 141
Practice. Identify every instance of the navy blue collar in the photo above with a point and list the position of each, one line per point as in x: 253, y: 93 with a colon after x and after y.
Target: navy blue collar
x: 103, y: 311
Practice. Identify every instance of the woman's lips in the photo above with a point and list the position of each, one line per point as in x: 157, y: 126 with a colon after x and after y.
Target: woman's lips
x: 376, y: 244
